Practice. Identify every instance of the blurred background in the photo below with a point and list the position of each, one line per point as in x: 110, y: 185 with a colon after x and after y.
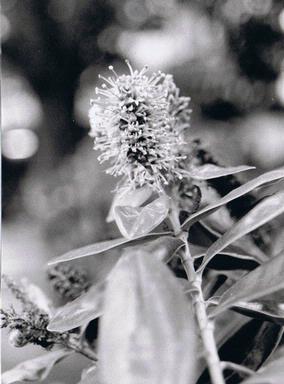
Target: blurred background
x: 227, y: 55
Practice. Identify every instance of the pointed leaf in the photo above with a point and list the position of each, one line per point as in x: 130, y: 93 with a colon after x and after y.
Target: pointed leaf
x: 272, y: 373
x: 79, y: 311
x: 264, y: 280
x: 264, y: 212
x: 133, y: 198
x: 103, y: 246
x: 147, y: 331
x: 240, y: 191
x: 139, y: 221
x: 212, y: 171
x: 269, y: 310
x: 36, y: 369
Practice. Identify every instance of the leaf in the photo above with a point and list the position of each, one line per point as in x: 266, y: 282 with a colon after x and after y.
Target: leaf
x: 36, y: 369
x: 103, y: 246
x: 272, y: 373
x: 264, y: 212
x: 139, y: 221
x: 164, y: 248
x: 199, y: 251
x: 212, y: 171
x: 133, y: 198
x: 79, y: 311
x: 264, y: 280
x: 237, y: 192
x: 251, y: 346
x: 89, y: 376
x: 147, y: 332
x: 266, y: 310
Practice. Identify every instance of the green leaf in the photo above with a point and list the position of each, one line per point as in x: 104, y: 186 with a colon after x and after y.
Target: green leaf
x: 133, y: 198
x: 36, y: 369
x: 264, y: 280
x: 139, y: 221
x: 103, y: 246
x: 240, y: 191
x: 79, y: 311
x: 272, y: 373
x: 264, y: 212
x: 147, y: 331
x: 212, y: 171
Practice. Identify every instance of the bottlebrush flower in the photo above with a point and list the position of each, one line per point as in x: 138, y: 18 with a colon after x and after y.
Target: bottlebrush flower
x: 137, y: 122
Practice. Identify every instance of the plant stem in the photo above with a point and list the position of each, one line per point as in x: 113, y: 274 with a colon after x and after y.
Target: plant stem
x: 206, y: 326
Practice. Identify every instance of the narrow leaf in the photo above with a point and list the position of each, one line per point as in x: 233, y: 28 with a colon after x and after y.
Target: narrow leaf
x: 264, y: 280
x: 272, y: 373
x: 264, y: 212
x: 103, y: 246
x: 79, y: 311
x: 36, y: 369
x: 147, y: 331
x: 240, y: 191
x: 212, y: 171
x: 139, y: 221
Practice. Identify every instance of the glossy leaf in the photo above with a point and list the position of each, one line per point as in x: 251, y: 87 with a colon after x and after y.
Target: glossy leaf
x: 133, y: 198
x: 139, y: 221
x: 264, y: 280
x: 272, y: 373
x: 264, y: 212
x: 212, y: 171
x: 103, y: 246
x: 266, y: 310
x: 89, y: 376
x: 79, y: 311
x: 240, y: 191
x: 35, y: 369
x: 147, y: 332
x: 232, y: 251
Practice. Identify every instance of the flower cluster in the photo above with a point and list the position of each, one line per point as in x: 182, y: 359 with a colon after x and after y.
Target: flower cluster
x: 70, y: 282
x: 137, y: 122
x: 29, y: 326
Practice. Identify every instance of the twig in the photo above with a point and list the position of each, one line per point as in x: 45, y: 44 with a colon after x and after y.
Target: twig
x: 206, y: 326
x: 237, y: 368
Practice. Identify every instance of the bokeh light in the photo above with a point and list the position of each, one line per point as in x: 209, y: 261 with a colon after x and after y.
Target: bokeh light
x: 19, y: 144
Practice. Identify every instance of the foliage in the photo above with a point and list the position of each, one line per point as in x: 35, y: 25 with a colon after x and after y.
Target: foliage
x: 177, y: 276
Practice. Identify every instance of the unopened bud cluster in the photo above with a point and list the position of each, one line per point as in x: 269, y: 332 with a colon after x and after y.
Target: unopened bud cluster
x: 68, y: 281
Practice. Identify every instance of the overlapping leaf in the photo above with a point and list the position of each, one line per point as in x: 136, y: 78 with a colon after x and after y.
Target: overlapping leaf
x: 103, y: 246
x: 272, y: 373
x: 212, y: 171
x: 79, y: 311
x: 133, y: 198
x: 35, y: 369
x: 264, y: 212
x: 264, y: 280
x: 147, y: 331
x: 238, y: 192
x: 139, y: 221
